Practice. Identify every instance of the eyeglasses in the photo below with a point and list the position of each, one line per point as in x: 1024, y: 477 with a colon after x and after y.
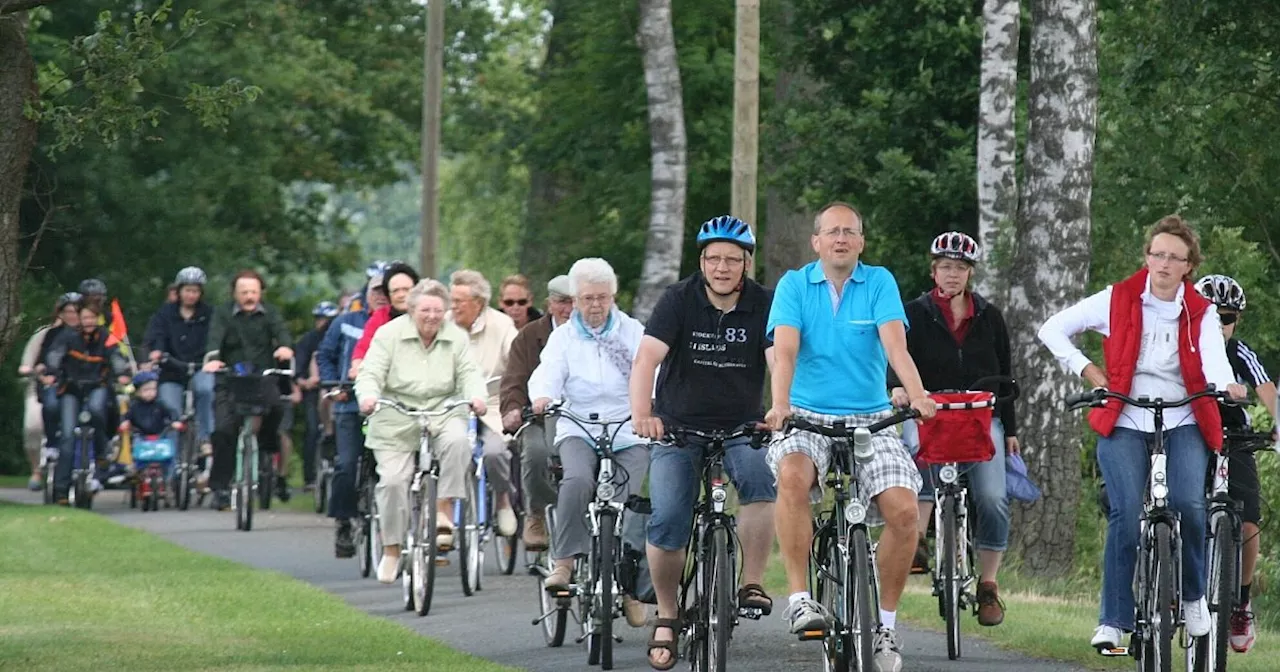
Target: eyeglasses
x: 596, y: 299
x: 1228, y: 318
x: 515, y: 302
x: 837, y: 233
x: 730, y: 262
x: 1166, y: 257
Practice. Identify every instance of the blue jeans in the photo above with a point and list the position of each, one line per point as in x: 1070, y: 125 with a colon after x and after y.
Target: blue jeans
x: 171, y: 395
x: 50, y: 413
x: 986, y: 491
x: 675, y: 478
x: 1125, y: 463
x: 69, y: 409
x: 350, y: 440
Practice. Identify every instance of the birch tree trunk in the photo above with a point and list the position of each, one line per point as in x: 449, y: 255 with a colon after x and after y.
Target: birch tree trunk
x: 1051, y: 267
x: 997, y: 144
x: 668, y: 145
x: 17, y: 140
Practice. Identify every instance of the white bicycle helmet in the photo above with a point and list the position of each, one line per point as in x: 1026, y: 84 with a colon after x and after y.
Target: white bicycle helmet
x: 955, y: 245
x: 1223, y: 291
x: 190, y: 275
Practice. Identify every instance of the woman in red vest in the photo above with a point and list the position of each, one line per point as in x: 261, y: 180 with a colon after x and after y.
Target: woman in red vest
x: 1162, y: 340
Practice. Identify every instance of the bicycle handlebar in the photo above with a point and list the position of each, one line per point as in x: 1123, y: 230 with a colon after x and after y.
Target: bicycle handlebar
x: 1247, y: 442
x: 412, y: 412
x: 677, y: 435
x: 842, y: 430
x: 977, y: 386
x: 1098, y: 396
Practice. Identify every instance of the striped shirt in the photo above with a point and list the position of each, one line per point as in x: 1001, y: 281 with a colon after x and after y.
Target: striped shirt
x: 1249, y: 371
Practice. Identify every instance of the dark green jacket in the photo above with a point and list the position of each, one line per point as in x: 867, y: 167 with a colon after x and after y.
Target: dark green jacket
x: 252, y: 337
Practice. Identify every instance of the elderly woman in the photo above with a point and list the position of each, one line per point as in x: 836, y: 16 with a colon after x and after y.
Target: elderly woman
x: 422, y: 360
x: 587, y: 364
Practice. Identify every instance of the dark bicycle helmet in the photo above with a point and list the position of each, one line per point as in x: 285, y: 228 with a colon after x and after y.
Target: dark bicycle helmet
x: 93, y: 286
x: 955, y: 245
x: 327, y: 309
x: 728, y: 229
x: 70, y: 298
x: 1223, y: 291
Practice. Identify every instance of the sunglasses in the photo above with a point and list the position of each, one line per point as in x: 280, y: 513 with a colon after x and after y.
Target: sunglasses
x: 1228, y: 318
x: 515, y: 302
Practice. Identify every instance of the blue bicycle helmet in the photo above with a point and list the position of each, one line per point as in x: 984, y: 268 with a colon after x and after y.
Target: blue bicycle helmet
x: 375, y: 268
x: 144, y: 377
x: 728, y: 229
x: 327, y: 309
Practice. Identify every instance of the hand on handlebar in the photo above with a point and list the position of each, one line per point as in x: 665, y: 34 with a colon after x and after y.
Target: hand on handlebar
x: 1237, y: 392
x: 478, y: 406
x: 898, y: 397
x: 648, y: 427
x: 1095, y: 375
x: 777, y: 416
x: 540, y: 405
x: 155, y: 355
x: 213, y: 365
x: 925, y: 406
x: 512, y: 420
x: 368, y: 404
x: 283, y: 354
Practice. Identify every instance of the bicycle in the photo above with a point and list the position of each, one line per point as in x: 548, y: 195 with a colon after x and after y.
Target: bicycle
x: 598, y: 596
x: 419, y: 574
x: 508, y: 548
x: 709, y: 586
x: 247, y: 394
x: 959, y: 438
x: 845, y: 579
x: 48, y: 454
x: 1157, y: 585
x: 84, y: 483
x: 368, y: 531
x: 1225, y: 541
x: 186, y: 469
x: 325, y: 457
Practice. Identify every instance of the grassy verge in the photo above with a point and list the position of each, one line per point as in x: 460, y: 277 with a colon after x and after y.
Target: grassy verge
x: 81, y: 592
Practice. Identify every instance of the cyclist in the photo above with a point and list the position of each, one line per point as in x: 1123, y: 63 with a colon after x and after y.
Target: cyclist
x: 537, y: 440
x: 181, y: 330
x: 1167, y: 344
x: 491, y: 333
x: 360, y: 300
x: 82, y: 361
x: 587, y: 364
x: 420, y: 359
x: 334, y: 360
x: 397, y: 280
x: 245, y: 331
x: 40, y: 410
x: 708, y: 333
x: 309, y: 382
x: 837, y: 324
x: 517, y: 300
x: 958, y: 338
x: 1228, y: 296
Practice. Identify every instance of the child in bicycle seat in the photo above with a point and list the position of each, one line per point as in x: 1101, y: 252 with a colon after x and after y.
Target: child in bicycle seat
x: 147, y: 416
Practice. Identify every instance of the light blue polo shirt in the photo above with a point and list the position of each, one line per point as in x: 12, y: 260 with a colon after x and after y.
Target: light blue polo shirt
x: 841, y: 367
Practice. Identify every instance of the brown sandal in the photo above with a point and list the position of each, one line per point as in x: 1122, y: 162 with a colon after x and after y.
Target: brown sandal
x: 752, y: 596
x: 672, y: 646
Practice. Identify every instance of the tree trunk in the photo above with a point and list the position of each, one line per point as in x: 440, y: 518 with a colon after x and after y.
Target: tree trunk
x: 17, y: 140
x: 746, y: 114
x: 997, y: 144
x: 1051, y: 266
x: 788, y: 227
x: 668, y: 144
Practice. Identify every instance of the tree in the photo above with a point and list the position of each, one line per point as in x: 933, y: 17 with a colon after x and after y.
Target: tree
x: 17, y: 140
x: 997, y: 141
x: 669, y: 168
x: 786, y: 236
x: 1051, y: 264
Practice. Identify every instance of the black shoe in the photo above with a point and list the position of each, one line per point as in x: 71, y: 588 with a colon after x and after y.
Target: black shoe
x: 282, y: 489
x: 344, y: 546
x: 222, y: 500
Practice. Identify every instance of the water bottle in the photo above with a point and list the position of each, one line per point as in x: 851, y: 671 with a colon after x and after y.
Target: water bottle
x: 862, y: 449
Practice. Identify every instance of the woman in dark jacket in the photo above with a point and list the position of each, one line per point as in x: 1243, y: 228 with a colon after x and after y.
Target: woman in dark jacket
x: 956, y: 338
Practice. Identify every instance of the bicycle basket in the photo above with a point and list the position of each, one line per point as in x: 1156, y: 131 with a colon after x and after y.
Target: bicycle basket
x: 961, y: 433
x: 248, y: 391
x: 152, y: 448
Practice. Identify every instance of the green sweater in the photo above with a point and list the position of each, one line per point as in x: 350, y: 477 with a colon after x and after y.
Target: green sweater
x: 240, y: 336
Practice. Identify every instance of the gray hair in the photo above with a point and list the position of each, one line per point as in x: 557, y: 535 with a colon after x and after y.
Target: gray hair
x: 475, y: 281
x: 592, y: 271
x: 428, y: 287
x: 817, y: 219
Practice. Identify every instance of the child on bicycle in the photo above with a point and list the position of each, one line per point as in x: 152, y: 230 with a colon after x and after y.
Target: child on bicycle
x: 1228, y: 296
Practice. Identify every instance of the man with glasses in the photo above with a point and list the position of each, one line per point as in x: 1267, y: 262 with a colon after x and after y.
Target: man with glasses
x: 517, y: 300
x: 837, y: 324
x: 536, y: 442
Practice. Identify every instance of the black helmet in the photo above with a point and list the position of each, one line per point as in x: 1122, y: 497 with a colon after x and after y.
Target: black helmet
x: 93, y: 286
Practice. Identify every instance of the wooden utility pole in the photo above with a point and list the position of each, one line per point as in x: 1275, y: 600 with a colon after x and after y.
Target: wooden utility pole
x: 746, y: 114
x: 432, y: 85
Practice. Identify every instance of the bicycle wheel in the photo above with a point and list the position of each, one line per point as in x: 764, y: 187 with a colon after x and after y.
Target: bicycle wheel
x: 1211, y: 650
x: 50, y: 467
x: 948, y: 542
x: 464, y: 520
x: 248, y: 462
x: 266, y: 480
x: 1161, y: 608
x: 183, y: 480
x: 722, y: 597
x: 553, y: 611
x: 474, y: 536
x: 427, y: 547
x: 321, y: 491
x: 601, y: 640
x: 862, y: 609
x: 830, y: 578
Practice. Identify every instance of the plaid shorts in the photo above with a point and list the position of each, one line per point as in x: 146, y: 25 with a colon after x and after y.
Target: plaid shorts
x: 891, y: 467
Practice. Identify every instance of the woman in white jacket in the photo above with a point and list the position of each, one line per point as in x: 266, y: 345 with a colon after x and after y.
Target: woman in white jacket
x: 587, y: 365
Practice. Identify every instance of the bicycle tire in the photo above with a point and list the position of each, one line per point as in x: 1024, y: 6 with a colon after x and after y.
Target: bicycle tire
x: 320, y: 491
x: 1211, y: 650
x: 474, y: 535
x: 604, y: 601
x: 430, y: 542
x: 862, y: 603
x: 246, y: 485
x: 410, y: 578
x: 462, y: 540
x: 50, y: 467
x: 722, y: 601
x: 266, y: 480
x: 182, y: 480
x: 948, y: 542
x: 553, y: 627
x: 830, y: 578
x: 1162, y: 611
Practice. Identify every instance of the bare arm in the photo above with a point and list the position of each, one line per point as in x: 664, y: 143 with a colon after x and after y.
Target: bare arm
x: 650, y: 354
x: 786, y: 347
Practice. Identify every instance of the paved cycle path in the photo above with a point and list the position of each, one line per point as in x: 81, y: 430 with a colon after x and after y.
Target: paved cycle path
x: 495, y: 622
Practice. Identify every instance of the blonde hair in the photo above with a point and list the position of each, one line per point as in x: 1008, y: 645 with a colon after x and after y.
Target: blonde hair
x: 1176, y: 226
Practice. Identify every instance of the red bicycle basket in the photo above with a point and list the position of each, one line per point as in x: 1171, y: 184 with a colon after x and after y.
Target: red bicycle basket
x: 961, y: 431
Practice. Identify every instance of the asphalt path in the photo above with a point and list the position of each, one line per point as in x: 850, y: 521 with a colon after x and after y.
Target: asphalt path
x: 495, y: 623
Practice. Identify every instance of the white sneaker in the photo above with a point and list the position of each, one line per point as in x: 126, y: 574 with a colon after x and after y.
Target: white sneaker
x: 507, y: 522
x: 1106, y: 637
x: 387, y: 569
x: 95, y: 485
x: 1243, y: 634
x: 1195, y: 617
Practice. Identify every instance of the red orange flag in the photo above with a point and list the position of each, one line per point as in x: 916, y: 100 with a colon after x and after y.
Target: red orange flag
x: 119, y: 332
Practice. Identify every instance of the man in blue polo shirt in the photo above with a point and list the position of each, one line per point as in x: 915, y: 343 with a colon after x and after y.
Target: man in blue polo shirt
x: 836, y: 324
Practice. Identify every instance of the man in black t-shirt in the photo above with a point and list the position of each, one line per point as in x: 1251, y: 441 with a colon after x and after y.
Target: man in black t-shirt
x: 1242, y: 469
x: 708, y: 333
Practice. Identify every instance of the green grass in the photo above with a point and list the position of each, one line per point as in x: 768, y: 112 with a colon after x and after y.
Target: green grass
x: 14, y: 481
x: 79, y: 592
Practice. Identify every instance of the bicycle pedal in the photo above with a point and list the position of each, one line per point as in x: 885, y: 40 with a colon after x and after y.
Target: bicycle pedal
x: 442, y: 562
x: 562, y: 594
x: 753, y: 613
x: 1115, y: 652
x: 811, y: 635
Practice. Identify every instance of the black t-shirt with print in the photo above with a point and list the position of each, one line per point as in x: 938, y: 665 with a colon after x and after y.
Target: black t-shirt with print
x: 713, y: 376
